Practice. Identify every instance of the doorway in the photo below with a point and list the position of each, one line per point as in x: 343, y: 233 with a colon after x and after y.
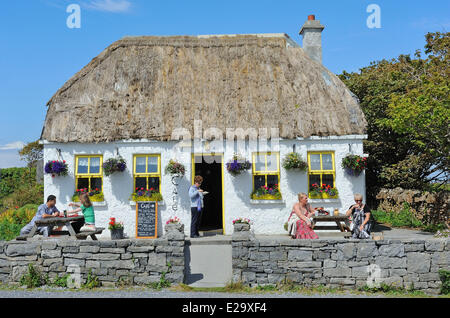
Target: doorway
x: 210, y: 167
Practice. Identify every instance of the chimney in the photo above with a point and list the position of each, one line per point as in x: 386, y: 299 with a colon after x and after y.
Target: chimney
x: 312, y: 38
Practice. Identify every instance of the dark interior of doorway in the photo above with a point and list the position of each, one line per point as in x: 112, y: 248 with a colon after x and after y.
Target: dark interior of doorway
x: 210, y: 168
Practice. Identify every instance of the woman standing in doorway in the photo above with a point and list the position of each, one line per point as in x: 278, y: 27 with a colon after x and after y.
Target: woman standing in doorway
x: 196, y: 196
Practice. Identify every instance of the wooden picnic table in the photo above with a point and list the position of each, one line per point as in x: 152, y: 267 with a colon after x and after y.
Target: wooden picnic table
x: 59, y: 221
x: 331, y: 218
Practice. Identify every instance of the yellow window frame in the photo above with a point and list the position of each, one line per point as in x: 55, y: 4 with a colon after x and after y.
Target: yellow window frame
x: 321, y: 171
x: 265, y: 172
x: 146, y: 174
x: 88, y: 175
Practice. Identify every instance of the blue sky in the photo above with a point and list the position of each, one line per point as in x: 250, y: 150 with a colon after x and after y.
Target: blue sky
x: 39, y: 53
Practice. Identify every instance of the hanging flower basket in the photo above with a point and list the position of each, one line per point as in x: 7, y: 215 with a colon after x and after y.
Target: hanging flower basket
x: 95, y: 195
x: 266, y: 193
x: 354, y: 164
x: 294, y: 161
x: 113, y: 165
x: 237, y: 165
x: 56, y: 168
x: 175, y: 168
x: 146, y: 195
x: 323, y: 192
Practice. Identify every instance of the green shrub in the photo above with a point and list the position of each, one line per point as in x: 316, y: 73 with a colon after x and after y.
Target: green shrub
x: 404, y: 218
x: 13, y: 220
x: 445, y: 278
x: 33, y: 278
x: 12, y: 178
x: 91, y: 281
x: 61, y: 281
x: 25, y: 194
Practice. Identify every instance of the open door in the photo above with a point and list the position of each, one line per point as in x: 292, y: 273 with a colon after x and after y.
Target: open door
x: 210, y: 167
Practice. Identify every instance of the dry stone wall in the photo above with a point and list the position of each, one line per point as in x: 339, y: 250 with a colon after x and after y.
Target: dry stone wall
x: 346, y: 263
x: 431, y: 208
x: 135, y: 262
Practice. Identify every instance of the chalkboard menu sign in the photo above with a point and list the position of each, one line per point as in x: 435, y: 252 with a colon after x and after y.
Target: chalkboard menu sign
x: 146, y: 219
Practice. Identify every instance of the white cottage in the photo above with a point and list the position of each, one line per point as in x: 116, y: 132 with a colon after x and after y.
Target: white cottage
x: 199, y: 100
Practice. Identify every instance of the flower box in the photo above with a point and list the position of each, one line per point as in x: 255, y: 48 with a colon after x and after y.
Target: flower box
x: 354, y: 164
x: 97, y: 197
x: 266, y: 197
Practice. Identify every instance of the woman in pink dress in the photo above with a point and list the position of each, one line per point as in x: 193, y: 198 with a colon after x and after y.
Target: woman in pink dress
x: 299, y: 224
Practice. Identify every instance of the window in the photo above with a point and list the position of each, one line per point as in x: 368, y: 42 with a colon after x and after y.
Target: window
x: 266, y: 169
x: 88, y: 173
x: 147, y: 172
x: 321, y: 169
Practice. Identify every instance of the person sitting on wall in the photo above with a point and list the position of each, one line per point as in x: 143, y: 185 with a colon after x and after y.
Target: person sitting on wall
x: 196, y: 196
x: 45, y: 210
x: 299, y: 224
x: 88, y: 212
x: 362, y: 218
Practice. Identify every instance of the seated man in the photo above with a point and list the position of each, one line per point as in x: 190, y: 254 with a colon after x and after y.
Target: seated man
x: 46, y: 210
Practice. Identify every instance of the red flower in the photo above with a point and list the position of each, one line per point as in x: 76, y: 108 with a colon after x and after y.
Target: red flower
x: 142, y: 188
x: 64, y: 161
x: 96, y: 189
x: 17, y: 207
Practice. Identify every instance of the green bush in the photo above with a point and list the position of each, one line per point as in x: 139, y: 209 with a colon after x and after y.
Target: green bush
x: 12, y: 178
x: 91, y: 281
x: 33, y: 278
x: 13, y: 220
x: 25, y: 194
x: 445, y: 278
x: 404, y: 218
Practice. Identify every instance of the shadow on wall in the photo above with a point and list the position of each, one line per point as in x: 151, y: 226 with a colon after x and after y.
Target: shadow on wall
x: 189, y: 278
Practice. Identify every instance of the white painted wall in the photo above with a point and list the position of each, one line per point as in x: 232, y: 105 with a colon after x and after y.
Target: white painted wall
x: 267, y: 218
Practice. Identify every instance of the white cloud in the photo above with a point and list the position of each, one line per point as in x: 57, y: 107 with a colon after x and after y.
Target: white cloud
x: 10, y: 159
x: 13, y: 145
x: 116, y: 6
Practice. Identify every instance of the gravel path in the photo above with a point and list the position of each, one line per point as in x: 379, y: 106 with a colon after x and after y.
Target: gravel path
x: 17, y: 293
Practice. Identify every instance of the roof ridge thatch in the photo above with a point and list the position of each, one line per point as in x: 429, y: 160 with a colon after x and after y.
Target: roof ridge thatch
x: 145, y: 86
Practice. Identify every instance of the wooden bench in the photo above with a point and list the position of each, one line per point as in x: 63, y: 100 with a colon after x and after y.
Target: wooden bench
x: 84, y: 235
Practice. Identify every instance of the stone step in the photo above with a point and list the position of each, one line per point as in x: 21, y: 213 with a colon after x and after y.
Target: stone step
x: 208, y: 264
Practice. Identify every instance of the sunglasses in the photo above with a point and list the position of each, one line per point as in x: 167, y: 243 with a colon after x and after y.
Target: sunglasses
x: 358, y: 200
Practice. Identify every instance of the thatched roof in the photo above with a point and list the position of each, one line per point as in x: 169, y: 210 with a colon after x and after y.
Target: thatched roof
x: 144, y: 87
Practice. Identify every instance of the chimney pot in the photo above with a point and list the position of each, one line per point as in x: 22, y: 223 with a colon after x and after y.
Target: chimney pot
x: 311, y: 17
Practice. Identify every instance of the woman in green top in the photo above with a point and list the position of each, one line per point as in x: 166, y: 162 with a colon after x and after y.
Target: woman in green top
x: 88, y: 212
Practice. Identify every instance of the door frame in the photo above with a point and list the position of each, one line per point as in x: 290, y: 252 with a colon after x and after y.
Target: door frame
x: 193, y: 155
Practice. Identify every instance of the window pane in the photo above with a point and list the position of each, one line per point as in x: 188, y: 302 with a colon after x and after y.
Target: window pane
x: 313, y: 178
x: 152, y: 165
x: 82, y: 183
x: 141, y: 183
x: 259, y: 181
x: 260, y: 164
x: 94, y: 165
x: 96, y: 183
x: 315, y: 161
x: 327, y: 179
x: 153, y: 182
x: 272, y: 180
x: 140, y: 164
x: 327, y: 163
x: 83, y: 165
x: 272, y: 162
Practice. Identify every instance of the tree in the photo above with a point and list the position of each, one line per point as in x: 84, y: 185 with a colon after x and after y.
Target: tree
x: 405, y: 102
x: 32, y: 153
